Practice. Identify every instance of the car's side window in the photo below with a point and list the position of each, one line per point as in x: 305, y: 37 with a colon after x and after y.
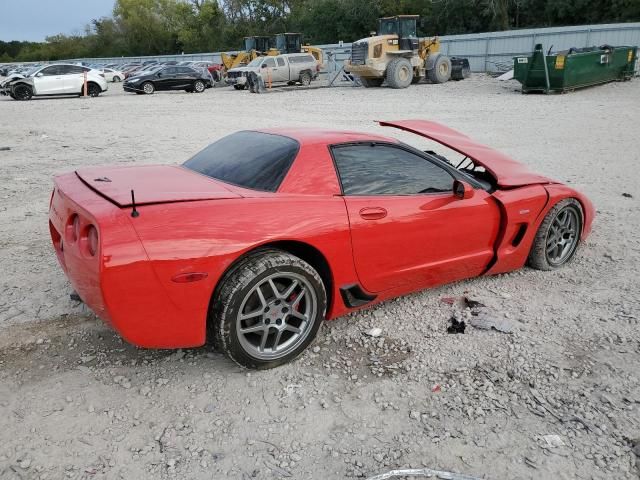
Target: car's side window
x: 75, y: 69
x: 280, y: 61
x: 269, y: 62
x: 168, y: 71
x: 375, y: 169
x: 50, y: 71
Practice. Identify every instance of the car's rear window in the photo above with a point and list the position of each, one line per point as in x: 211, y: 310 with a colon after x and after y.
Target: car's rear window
x: 255, y: 160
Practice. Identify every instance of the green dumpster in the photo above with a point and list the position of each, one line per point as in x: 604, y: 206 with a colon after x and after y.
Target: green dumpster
x: 574, y: 68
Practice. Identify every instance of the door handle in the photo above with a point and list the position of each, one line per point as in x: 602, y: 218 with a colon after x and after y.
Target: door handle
x: 373, y: 213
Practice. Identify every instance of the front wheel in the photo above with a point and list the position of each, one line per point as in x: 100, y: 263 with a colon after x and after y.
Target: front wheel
x: 148, y: 88
x: 558, y: 237
x: 22, y: 92
x: 399, y: 73
x: 268, y: 309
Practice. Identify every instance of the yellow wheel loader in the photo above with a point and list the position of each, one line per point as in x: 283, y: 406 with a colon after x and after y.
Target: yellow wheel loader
x: 254, y: 47
x: 398, y: 56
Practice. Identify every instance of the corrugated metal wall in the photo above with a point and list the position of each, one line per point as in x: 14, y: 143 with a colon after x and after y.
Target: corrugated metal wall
x: 486, y: 51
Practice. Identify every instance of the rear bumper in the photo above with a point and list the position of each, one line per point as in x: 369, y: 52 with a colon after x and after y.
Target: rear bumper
x: 119, y: 283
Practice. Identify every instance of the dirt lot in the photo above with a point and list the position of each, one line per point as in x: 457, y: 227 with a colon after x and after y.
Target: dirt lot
x: 557, y: 398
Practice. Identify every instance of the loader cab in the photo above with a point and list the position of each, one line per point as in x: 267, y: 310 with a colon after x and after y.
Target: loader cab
x: 404, y: 26
x: 259, y: 44
x: 289, y: 42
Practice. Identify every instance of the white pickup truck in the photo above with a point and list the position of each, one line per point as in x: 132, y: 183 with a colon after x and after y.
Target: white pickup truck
x: 287, y: 68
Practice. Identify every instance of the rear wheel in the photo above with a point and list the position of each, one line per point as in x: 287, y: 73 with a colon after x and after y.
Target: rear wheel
x: 148, y: 88
x: 441, y: 71
x: 399, y: 73
x: 268, y: 309
x: 558, y: 237
x: 22, y: 92
x: 116, y: 79
x: 305, y: 79
x: 93, y: 89
x: 371, y: 82
x: 198, y: 86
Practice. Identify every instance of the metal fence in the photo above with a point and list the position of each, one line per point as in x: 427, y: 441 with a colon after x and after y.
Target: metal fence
x: 490, y: 51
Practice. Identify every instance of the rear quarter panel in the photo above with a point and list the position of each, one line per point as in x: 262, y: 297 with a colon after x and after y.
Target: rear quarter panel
x: 208, y: 236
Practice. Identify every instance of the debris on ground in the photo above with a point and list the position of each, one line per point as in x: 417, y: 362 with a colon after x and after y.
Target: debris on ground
x: 552, y: 441
x: 422, y: 472
x: 374, y: 332
x: 75, y: 297
x: 5, y: 149
x: 456, y: 326
x: 484, y: 320
x: 627, y: 195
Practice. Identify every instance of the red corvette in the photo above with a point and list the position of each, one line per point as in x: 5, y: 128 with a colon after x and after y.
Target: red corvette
x: 263, y: 234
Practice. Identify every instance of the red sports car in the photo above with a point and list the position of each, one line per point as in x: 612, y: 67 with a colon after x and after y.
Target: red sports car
x: 262, y: 235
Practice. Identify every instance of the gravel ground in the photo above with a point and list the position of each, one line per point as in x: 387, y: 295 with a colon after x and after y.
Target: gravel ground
x: 559, y: 397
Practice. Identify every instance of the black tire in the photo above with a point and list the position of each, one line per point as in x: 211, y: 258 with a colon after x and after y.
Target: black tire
x: 416, y: 80
x: 239, y: 87
x: 240, y: 285
x: 540, y: 257
x: 399, y: 73
x: 116, y: 79
x: 22, y: 92
x: 305, y: 79
x: 441, y: 71
x: 371, y: 82
x: 93, y: 89
x: 291, y: 83
x: 148, y: 88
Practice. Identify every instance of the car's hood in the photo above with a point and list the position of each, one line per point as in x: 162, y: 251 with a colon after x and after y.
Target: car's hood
x: 11, y: 78
x: 507, y: 172
x: 242, y: 69
x: 152, y: 184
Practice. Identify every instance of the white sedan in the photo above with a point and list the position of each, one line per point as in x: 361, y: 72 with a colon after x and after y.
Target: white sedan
x: 111, y: 75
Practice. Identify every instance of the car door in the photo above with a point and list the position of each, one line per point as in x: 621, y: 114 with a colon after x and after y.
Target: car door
x: 49, y: 81
x: 184, y: 78
x: 407, y: 227
x: 281, y: 70
x: 165, y: 78
x: 73, y: 78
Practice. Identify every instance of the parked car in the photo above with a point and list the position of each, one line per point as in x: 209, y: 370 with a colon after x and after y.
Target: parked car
x: 288, y: 68
x: 168, y: 78
x: 263, y: 234
x: 112, y: 75
x: 55, y: 79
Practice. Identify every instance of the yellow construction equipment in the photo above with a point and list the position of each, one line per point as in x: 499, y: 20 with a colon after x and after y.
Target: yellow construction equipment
x: 398, y: 56
x: 257, y: 46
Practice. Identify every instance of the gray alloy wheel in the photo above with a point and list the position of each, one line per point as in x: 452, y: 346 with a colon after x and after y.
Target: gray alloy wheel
x: 558, y: 237
x: 267, y: 309
x: 198, y: 86
x: 276, y: 315
x: 116, y: 79
x: 148, y: 88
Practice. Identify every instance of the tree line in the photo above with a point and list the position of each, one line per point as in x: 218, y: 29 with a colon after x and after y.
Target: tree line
x: 155, y: 27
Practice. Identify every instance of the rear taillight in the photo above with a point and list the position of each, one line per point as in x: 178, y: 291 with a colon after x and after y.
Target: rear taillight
x: 73, y: 228
x: 92, y: 240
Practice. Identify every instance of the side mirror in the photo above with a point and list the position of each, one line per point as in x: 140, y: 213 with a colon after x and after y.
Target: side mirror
x: 264, y: 65
x: 462, y: 190
x: 159, y: 74
x: 39, y: 74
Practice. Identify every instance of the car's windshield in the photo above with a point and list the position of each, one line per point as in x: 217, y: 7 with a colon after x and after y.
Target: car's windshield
x: 255, y: 62
x: 32, y: 71
x: 253, y: 160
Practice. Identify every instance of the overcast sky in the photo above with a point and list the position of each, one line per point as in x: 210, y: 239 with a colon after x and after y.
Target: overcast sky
x: 35, y: 19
